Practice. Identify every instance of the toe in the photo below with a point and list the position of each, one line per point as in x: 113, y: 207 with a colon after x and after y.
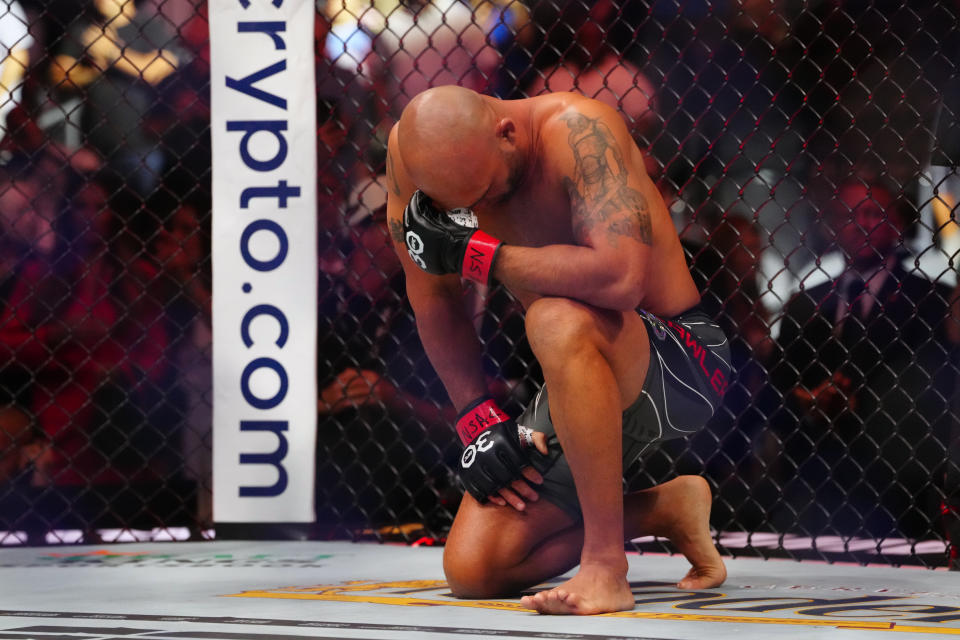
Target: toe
x: 558, y: 602
x: 572, y: 603
x: 688, y: 582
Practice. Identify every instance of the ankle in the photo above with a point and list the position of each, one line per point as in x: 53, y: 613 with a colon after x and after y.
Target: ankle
x: 606, y: 563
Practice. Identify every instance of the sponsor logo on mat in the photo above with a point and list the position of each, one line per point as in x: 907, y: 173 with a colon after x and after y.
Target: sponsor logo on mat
x: 663, y: 601
x: 113, y: 558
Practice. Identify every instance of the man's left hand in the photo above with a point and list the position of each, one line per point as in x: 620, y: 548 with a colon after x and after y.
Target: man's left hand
x: 520, y: 490
x: 498, y: 464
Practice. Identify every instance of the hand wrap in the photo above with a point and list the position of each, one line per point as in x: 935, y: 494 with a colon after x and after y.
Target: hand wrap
x: 493, y: 456
x: 438, y: 245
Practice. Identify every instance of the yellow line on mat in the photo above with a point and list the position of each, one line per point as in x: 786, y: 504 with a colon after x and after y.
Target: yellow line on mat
x: 862, y: 625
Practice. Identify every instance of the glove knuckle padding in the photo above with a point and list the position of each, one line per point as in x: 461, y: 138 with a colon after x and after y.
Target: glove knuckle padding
x: 510, y: 455
x: 434, y: 241
x: 495, y: 461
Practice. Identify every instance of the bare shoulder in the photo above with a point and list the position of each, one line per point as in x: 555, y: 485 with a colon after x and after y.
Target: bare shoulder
x: 565, y: 107
x: 559, y: 101
x: 570, y: 117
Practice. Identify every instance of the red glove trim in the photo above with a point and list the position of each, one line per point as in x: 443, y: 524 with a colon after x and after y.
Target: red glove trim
x: 478, y: 259
x: 477, y: 419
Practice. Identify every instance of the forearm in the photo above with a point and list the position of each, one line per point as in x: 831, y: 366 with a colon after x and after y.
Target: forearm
x: 570, y: 271
x: 454, y: 350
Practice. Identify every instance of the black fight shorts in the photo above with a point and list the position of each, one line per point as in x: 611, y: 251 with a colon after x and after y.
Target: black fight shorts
x: 687, y: 377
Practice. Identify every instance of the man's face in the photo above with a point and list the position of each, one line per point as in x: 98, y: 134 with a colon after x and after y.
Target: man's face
x: 865, y: 222
x: 491, y: 186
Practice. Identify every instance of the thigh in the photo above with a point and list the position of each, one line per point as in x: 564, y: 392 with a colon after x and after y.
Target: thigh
x: 556, y: 325
x: 629, y: 357
x: 503, y: 536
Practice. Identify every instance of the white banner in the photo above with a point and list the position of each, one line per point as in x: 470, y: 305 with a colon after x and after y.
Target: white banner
x: 264, y: 259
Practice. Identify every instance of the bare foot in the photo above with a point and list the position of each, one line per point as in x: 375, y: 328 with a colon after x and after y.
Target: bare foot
x: 690, y: 533
x: 595, y: 589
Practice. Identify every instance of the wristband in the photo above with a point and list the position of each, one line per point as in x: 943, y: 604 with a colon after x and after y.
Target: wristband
x: 480, y: 415
x: 478, y: 259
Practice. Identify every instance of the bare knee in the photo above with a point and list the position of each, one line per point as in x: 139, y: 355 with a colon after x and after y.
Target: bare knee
x: 557, y: 327
x: 472, y: 575
x: 482, y: 564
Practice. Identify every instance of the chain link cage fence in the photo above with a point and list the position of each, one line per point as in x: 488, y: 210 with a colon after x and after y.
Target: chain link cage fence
x: 807, y: 152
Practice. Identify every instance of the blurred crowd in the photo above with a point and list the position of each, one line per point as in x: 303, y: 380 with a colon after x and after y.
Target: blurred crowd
x: 104, y: 259
x: 794, y: 168
x: 792, y: 143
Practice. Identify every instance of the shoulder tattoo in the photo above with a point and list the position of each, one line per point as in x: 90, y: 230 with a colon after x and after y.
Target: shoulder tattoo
x: 598, y: 190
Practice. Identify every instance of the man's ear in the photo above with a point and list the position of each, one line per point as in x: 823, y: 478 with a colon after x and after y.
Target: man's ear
x: 507, y: 131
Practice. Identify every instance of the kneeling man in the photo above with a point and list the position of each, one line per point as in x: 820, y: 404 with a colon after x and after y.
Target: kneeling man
x: 549, y: 196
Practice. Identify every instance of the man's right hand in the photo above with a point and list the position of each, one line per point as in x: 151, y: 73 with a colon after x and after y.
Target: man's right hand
x: 495, y: 466
x: 439, y: 245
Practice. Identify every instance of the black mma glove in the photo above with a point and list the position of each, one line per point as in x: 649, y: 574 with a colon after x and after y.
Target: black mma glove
x: 438, y: 245
x: 493, y: 456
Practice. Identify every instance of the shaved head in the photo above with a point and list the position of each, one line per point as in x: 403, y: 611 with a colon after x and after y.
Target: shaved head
x: 448, y: 143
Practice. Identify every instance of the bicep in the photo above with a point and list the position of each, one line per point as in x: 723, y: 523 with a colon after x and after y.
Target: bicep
x: 619, y: 220
x: 610, y: 193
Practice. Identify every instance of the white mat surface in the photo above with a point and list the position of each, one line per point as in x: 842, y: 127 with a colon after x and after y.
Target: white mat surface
x: 302, y: 590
